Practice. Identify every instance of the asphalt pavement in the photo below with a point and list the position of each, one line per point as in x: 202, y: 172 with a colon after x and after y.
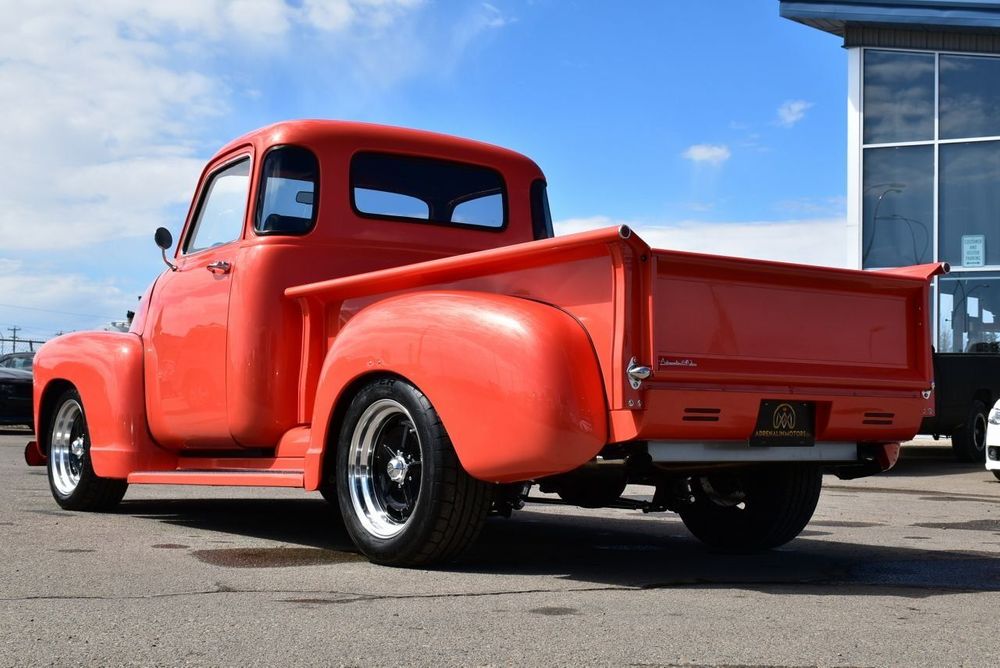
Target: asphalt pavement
x: 900, y: 570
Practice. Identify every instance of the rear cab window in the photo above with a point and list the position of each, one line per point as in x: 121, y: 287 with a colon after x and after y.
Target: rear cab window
x: 425, y: 190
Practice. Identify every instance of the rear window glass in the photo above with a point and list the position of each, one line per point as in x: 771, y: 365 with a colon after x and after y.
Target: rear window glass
x: 426, y: 190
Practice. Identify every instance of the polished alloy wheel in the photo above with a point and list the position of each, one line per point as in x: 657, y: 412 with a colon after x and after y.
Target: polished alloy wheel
x: 384, y: 468
x: 67, y: 447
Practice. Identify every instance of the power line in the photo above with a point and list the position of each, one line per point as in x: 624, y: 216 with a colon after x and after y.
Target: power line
x: 47, y: 310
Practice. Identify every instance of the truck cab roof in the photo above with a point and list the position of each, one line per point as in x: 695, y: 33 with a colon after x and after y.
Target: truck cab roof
x: 362, y: 182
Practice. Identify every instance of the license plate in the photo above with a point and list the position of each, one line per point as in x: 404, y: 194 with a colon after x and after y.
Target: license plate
x: 784, y: 423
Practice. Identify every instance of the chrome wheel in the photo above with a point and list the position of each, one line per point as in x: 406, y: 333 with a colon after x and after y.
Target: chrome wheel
x: 384, y: 464
x: 67, y: 447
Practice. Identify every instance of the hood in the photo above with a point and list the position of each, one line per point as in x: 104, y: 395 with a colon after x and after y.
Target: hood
x: 15, y: 374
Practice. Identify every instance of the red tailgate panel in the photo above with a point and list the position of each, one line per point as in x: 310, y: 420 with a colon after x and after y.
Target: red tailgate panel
x: 718, y: 320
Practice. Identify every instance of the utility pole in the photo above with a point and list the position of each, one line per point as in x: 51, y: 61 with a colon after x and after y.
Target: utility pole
x: 13, y: 340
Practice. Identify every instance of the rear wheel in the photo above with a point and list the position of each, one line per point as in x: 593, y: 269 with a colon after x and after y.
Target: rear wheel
x: 72, y: 480
x: 996, y: 474
x: 969, y: 442
x: 405, y: 499
x: 753, y: 510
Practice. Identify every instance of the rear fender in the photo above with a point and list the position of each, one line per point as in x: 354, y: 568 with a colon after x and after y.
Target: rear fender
x: 106, y: 368
x: 516, y: 382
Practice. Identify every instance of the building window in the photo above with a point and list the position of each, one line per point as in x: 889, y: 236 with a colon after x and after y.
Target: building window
x: 899, y: 96
x: 928, y: 144
x: 970, y: 96
x: 898, y: 206
x: 969, y: 204
x: 969, y: 308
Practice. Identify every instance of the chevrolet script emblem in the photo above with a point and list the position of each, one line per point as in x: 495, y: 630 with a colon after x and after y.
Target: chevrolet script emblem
x: 783, y: 418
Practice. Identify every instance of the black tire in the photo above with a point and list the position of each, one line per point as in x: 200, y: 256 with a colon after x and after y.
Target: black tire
x: 329, y: 493
x: 434, y: 511
x: 72, y: 480
x: 996, y: 474
x: 753, y: 510
x: 969, y: 442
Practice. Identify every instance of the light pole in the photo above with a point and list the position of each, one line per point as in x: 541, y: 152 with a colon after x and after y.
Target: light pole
x: 965, y: 297
x: 889, y: 188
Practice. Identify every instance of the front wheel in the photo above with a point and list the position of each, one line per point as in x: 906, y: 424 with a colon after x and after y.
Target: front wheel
x: 404, y: 496
x: 969, y: 442
x: 996, y: 474
x: 72, y: 480
x: 755, y: 509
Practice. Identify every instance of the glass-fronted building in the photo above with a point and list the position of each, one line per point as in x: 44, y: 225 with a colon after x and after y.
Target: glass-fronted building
x: 924, y: 148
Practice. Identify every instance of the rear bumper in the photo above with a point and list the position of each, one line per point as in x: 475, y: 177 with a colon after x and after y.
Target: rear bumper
x: 663, y: 452
x: 846, y: 460
x: 704, y: 416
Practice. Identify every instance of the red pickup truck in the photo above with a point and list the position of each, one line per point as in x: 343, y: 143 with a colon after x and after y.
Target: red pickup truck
x: 384, y: 315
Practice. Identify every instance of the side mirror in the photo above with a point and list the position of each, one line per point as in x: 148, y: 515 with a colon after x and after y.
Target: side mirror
x: 165, y: 240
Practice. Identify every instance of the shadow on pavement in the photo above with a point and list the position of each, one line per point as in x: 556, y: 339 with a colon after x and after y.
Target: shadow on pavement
x: 930, y: 460
x: 628, y: 551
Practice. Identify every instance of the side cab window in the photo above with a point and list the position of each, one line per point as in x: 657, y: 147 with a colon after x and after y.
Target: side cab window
x: 222, y: 209
x: 287, y: 195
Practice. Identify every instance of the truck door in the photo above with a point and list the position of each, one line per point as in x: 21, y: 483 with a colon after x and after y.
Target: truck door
x: 187, y: 326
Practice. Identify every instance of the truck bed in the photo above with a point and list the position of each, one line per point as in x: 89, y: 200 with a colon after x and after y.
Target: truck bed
x: 719, y: 334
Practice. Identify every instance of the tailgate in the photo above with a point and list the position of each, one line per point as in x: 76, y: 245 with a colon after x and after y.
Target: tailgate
x: 719, y: 320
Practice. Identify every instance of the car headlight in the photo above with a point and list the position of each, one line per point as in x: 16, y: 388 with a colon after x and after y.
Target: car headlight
x: 995, y: 416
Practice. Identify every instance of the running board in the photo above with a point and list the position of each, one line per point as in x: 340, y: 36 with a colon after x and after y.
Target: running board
x: 222, y: 478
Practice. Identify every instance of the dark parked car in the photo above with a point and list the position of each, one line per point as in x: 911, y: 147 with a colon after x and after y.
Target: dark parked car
x: 17, y: 361
x: 15, y: 397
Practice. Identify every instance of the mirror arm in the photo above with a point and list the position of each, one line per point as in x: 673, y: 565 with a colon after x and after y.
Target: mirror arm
x: 173, y: 267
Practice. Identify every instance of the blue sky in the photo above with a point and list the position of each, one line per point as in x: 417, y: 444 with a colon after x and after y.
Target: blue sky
x: 711, y: 125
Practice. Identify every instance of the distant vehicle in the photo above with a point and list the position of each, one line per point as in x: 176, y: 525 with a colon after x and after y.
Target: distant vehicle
x: 17, y: 361
x: 993, y: 441
x: 15, y: 397
x: 966, y: 387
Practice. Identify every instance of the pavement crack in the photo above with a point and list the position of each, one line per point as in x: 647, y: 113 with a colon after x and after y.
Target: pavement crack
x: 916, y: 492
x: 344, y: 597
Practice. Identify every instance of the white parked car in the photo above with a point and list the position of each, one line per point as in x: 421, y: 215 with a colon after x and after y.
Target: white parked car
x: 993, y: 441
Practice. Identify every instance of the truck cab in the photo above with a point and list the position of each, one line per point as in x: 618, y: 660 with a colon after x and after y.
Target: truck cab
x: 220, y: 373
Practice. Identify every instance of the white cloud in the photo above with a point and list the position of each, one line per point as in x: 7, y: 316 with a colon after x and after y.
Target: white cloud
x: 475, y: 23
x: 338, y: 15
x: 106, y: 104
x: 260, y: 18
x: 109, y: 110
x: 792, y: 111
x: 82, y: 302
x: 712, y: 154
x: 819, y: 241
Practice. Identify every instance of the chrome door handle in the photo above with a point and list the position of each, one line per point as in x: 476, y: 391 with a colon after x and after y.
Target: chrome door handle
x: 220, y: 267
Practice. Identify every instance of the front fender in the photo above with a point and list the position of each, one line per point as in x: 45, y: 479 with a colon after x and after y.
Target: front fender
x: 516, y: 382
x: 106, y: 368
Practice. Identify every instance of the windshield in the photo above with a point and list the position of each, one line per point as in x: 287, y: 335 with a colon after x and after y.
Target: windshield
x: 18, y: 362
